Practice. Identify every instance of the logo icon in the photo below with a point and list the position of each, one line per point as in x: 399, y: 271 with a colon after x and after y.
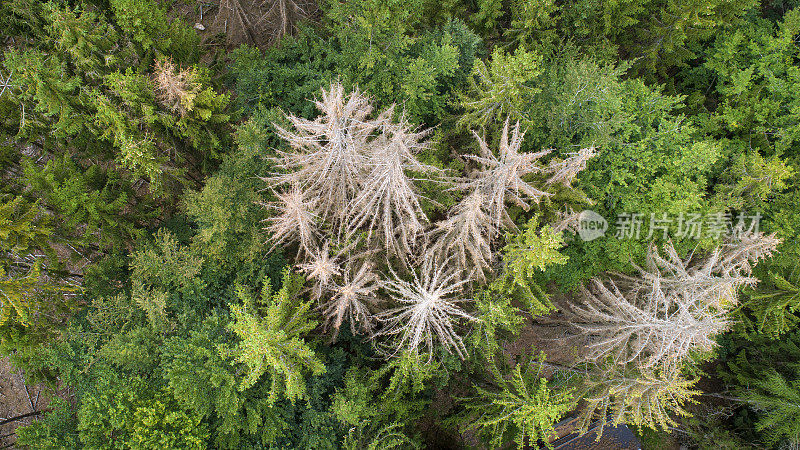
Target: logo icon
x: 591, y: 225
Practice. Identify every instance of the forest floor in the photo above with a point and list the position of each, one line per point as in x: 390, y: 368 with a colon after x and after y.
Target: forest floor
x: 17, y: 398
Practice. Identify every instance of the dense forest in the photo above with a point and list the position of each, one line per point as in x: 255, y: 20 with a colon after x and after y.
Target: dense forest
x: 374, y: 224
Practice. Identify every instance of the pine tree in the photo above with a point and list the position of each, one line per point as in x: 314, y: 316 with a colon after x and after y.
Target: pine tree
x: 473, y: 225
x: 388, y: 202
x: 270, y: 330
x: 331, y: 152
x: 92, y: 198
x: 34, y: 299
x: 501, y: 179
x: 525, y: 257
x: 523, y: 408
x: 643, y: 330
x: 775, y: 303
x: 643, y: 397
x: 502, y: 88
x: 352, y: 297
x: 763, y: 373
x: 776, y: 399
x: 295, y: 221
x: 465, y: 236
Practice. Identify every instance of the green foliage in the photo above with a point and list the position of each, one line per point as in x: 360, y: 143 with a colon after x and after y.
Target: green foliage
x: 656, y: 162
x: 166, y: 264
x: 119, y: 175
x: 84, y: 92
x: 270, y: 330
x: 34, y: 298
x: 200, y: 377
x: 762, y: 371
x: 580, y: 103
x: 522, y: 407
x: 774, y: 304
x: 149, y: 27
x: 564, y: 101
x: 756, y: 81
x: 776, y: 400
x: 202, y: 117
x: 286, y: 76
x: 124, y: 413
x: 91, y: 197
x: 372, y: 45
x: 46, y: 83
x: 401, y: 385
x: 383, y: 56
x: 387, y: 437
x: 23, y: 228
x: 502, y: 89
x: 624, y: 394
x: 497, y: 320
x: 661, y: 34
x: 57, y: 430
x: 745, y: 92
x: 526, y: 256
x: 227, y: 209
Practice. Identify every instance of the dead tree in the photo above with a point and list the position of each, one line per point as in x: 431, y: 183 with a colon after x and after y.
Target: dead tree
x: 352, y: 297
x: 428, y: 311
x: 331, y: 153
x: 388, y: 204
x: 670, y: 308
x: 259, y: 22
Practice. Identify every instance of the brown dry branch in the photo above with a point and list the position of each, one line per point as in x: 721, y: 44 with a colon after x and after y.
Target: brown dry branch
x: 468, y: 232
x: 501, y: 179
x: 176, y: 88
x: 655, y: 331
x: 566, y: 170
x: 330, y: 152
x: 568, y: 219
x: 260, y: 22
x: 388, y: 201
x: 465, y: 237
x: 321, y: 268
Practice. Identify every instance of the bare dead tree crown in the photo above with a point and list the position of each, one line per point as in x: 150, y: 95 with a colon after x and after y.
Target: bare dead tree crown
x: 347, y: 178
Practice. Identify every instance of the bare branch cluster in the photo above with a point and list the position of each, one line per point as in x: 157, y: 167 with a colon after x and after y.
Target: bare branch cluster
x: 352, y: 169
x: 259, y: 22
x: 295, y: 220
x: 565, y: 171
x: 671, y: 307
x: 176, y: 88
x: 346, y: 182
x: 473, y: 224
x: 429, y: 309
x: 388, y: 202
x: 330, y: 153
x: 465, y: 236
x: 352, y: 298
